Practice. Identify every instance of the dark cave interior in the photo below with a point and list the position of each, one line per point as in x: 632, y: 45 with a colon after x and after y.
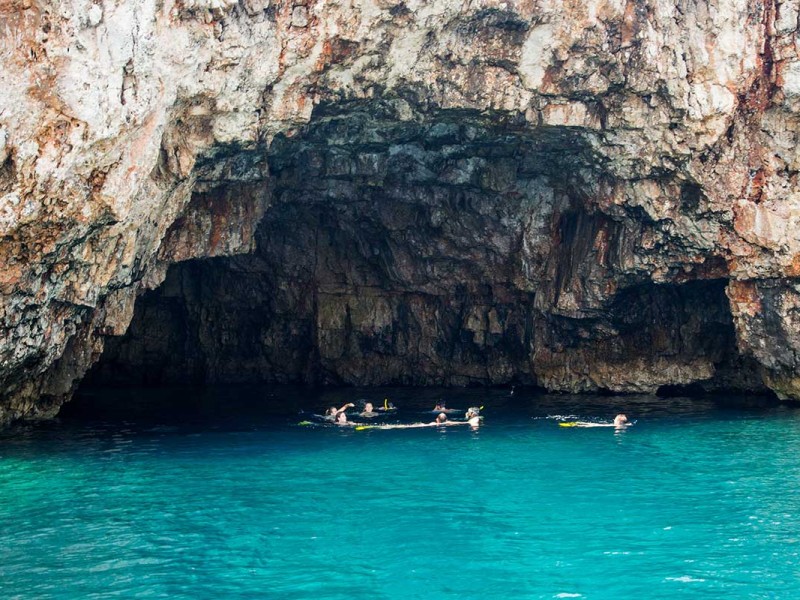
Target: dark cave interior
x: 455, y: 251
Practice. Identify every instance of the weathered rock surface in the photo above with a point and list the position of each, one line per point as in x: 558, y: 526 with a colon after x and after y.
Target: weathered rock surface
x: 539, y: 191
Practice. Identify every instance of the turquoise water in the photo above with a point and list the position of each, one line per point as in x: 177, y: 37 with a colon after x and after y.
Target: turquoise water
x: 232, y: 500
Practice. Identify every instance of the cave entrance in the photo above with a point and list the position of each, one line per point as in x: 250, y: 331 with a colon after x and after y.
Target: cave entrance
x: 332, y: 296
x: 461, y: 250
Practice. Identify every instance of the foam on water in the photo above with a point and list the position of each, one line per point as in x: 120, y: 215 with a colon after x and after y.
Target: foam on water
x: 695, y: 500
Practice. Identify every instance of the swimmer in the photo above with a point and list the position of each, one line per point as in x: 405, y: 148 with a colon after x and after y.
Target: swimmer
x: 341, y: 419
x: 473, y: 417
x: 473, y: 420
x: 368, y: 411
x: 332, y: 414
x: 621, y: 421
x: 442, y: 408
x: 441, y: 419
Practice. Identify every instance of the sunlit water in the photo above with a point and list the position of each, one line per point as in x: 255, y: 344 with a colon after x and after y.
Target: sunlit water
x: 232, y: 499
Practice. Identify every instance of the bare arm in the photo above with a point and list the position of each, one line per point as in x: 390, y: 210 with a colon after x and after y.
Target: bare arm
x: 410, y: 426
x: 474, y: 421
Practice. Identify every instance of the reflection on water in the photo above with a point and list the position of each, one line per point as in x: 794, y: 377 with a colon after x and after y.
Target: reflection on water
x: 219, y: 493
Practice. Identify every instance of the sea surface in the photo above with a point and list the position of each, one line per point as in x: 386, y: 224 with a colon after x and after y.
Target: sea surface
x: 219, y: 493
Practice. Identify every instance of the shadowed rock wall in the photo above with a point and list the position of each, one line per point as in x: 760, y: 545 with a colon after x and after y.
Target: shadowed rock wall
x: 456, y: 252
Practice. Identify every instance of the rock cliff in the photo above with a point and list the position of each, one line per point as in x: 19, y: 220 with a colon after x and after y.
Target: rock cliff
x: 581, y: 195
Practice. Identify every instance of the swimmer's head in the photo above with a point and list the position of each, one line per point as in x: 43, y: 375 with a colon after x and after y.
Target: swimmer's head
x: 368, y: 407
x: 473, y: 411
x: 341, y: 417
x: 441, y: 418
x: 332, y: 411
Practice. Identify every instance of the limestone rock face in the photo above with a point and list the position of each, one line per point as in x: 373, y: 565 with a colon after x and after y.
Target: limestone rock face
x: 599, y: 194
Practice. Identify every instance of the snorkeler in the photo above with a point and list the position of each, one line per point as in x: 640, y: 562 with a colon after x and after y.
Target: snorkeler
x: 473, y: 417
x: 387, y: 406
x: 620, y: 422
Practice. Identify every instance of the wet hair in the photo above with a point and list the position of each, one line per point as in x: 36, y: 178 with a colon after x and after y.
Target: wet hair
x: 473, y: 411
